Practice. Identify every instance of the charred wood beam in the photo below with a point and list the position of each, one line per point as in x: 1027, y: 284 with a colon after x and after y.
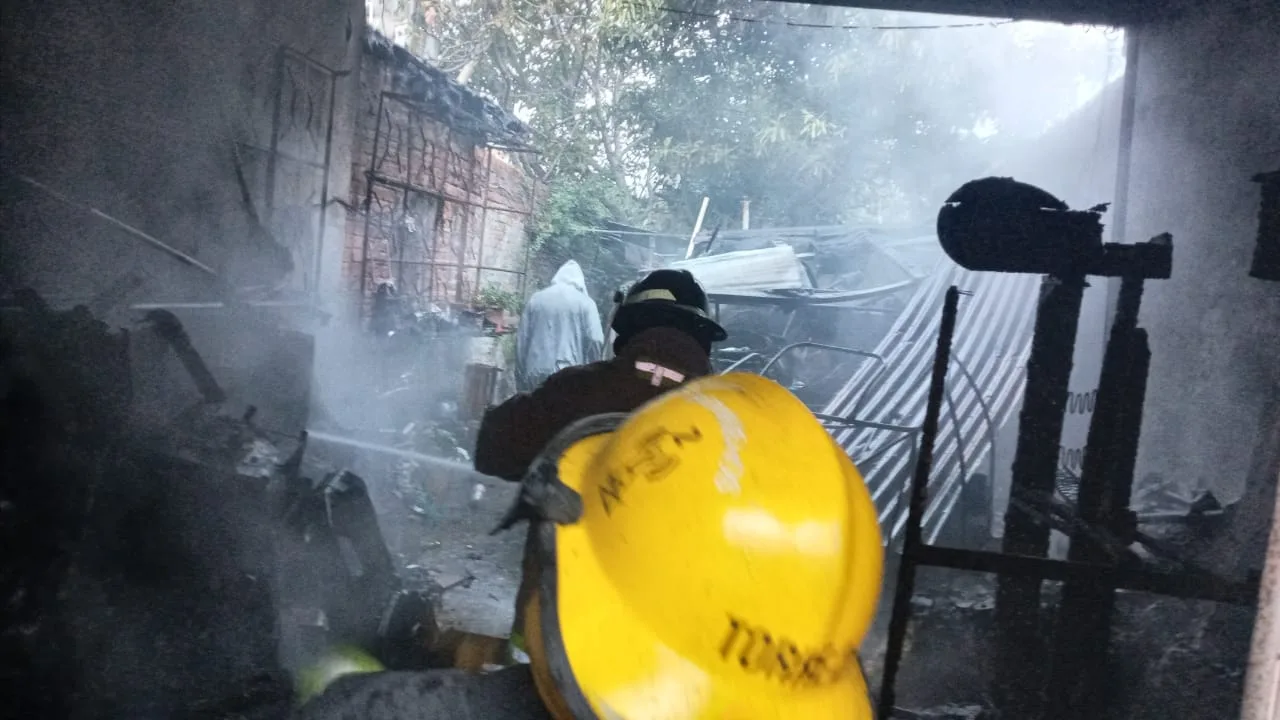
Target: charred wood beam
x: 1078, y: 670
x: 1189, y: 586
x: 1034, y: 470
x: 168, y: 327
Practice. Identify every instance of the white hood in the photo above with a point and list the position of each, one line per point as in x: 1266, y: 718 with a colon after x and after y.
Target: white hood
x: 570, y: 273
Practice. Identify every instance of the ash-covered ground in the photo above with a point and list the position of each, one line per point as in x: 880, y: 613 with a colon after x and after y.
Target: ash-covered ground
x: 437, y: 522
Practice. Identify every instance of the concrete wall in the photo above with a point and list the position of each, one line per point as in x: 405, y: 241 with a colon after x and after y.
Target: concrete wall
x: 466, y: 208
x: 139, y: 109
x: 1207, y: 119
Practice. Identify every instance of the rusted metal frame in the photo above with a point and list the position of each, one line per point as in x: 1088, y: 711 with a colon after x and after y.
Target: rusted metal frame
x: 879, y: 359
x: 464, y: 266
x: 466, y: 228
x: 400, y: 184
x: 324, y: 182
x: 368, y: 200
x: 905, y: 588
x: 400, y: 240
x: 1034, y: 465
x: 438, y: 221
x: 1078, y: 668
x: 484, y: 210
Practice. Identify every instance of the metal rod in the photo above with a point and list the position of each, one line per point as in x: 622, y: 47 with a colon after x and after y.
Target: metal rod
x: 368, y: 200
x: 484, y: 209
x: 401, y: 185
x: 918, y: 501
x: 269, y: 193
x: 324, y: 185
x: 157, y: 244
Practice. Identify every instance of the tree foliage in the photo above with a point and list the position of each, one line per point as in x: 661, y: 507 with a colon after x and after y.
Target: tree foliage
x: 816, y: 114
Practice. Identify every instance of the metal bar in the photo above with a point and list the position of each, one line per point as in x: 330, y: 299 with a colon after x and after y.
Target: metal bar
x: 324, y: 186
x: 484, y: 209
x: 919, y: 498
x: 821, y: 346
x: 401, y: 185
x: 269, y: 193
x: 739, y: 362
x: 1188, y: 586
x: 462, y: 236
x: 157, y: 244
x: 1035, y: 466
x: 368, y: 199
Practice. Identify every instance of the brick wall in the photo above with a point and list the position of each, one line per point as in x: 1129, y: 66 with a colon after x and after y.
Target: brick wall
x: 431, y: 210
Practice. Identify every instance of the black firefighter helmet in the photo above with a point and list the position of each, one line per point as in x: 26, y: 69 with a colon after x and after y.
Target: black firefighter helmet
x: 667, y: 298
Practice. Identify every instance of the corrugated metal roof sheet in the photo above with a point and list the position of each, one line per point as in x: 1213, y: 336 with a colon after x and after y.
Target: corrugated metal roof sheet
x: 984, y: 387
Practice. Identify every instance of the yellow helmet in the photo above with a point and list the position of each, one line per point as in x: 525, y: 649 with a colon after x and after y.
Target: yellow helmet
x: 713, y: 555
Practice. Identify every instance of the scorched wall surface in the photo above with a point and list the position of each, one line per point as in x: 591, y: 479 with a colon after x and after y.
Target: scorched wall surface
x: 141, y: 109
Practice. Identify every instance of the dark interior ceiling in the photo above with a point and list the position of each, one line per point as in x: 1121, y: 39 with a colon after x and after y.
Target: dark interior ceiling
x: 1092, y: 12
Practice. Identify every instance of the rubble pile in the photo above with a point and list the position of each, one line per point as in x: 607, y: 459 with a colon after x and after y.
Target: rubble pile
x: 176, y: 570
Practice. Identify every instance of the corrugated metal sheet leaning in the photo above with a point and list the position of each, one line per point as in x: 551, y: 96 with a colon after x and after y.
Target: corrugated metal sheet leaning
x: 983, y: 389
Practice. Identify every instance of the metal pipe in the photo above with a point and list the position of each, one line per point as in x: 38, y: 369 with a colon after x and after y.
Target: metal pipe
x: 1262, y: 681
x: 919, y: 499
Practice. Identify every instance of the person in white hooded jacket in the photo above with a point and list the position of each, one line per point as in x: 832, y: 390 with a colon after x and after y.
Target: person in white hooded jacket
x: 559, y: 328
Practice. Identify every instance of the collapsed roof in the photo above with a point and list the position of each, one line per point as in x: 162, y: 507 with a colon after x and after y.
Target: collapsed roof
x: 461, y: 108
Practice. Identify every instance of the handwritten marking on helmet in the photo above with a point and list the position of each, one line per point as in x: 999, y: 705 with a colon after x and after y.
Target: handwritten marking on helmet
x: 757, y: 650
x: 657, y: 455
x: 729, y: 473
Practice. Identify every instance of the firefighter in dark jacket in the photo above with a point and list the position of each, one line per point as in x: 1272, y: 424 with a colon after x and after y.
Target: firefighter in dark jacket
x: 664, y: 336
